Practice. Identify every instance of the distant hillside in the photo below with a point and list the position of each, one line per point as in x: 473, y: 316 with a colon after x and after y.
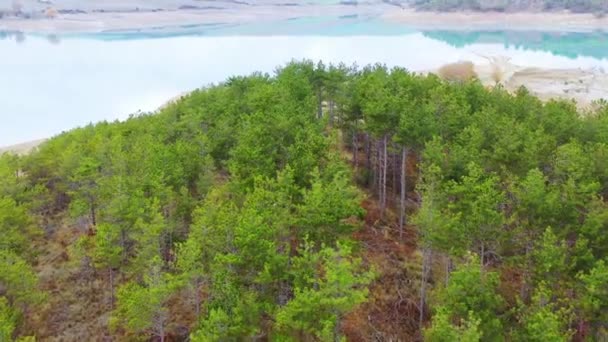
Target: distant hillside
x: 599, y: 7
x: 23, y: 148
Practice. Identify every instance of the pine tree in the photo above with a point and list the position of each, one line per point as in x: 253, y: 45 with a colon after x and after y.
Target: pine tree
x: 322, y: 297
x: 142, y: 307
x: 8, y: 321
x: 16, y: 226
x: 327, y: 207
x: 107, y: 254
x: 542, y: 320
x: 477, y: 206
x: 150, y: 233
x: 594, y: 292
x: 442, y: 329
x: 472, y: 295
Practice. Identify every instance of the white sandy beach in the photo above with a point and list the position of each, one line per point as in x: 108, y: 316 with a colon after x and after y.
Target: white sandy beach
x: 581, y: 85
x: 108, y: 15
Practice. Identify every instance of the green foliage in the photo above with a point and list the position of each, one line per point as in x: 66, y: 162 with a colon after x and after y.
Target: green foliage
x: 543, y: 320
x: 471, y: 295
x: 537, y: 202
x: 476, y: 208
x: 11, y: 181
x: 443, y: 330
x: 8, y: 321
x: 378, y: 100
x: 596, y: 222
x: 210, y: 198
x: 19, y: 279
x: 15, y: 225
x: 108, y: 251
x: 434, y: 227
x: 142, y: 307
x: 327, y: 207
x: 150, y: 231
x: 595, y: 292
x: 331, y: 285
x: 83, y: 181
x: 239, y: 322
x: 550, y: 258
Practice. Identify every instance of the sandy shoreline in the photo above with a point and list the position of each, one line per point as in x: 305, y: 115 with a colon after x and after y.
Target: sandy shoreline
x: 77, y: 16
x: 74, y: 16
x: 582, y: 86
x: 524, y: 21
x: 167, y: 17
x: 27, y: 147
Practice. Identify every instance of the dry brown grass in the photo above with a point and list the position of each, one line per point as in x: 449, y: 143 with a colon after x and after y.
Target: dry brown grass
x: 76, y: 307
x: 51, y: 13
x: 457, y: 72
x: 391, y: 313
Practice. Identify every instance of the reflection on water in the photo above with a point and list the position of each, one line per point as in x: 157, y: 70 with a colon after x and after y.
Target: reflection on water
x: 18, y: 37
x: 569, y: 44
x: 51, y: 83
x: 53, y: 39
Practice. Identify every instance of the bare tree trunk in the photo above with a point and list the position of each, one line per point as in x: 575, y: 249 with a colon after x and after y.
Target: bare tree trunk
x: 123, y: 243
x: 319, y: 103
x: 337, y: 329
x: 403, y: 190
x: 111, y: 288
x: 331, y: 112
x: 482, y: 253
x: 384, y: 170
x: 396, y: 170
x: 370, y: 155
x: 448, y: 269
x: 197, y: 298
x: 378, y: 171
x: 93, y: 215
x: 284, y: 291
x: 426, y: 266
x: 367, y: 152
x: 355, y: 149
x: 524, y: 282
x: 170, y: 246
x: 383, y: 176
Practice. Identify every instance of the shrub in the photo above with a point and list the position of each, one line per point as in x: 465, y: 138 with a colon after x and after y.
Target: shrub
x: 457, y: 72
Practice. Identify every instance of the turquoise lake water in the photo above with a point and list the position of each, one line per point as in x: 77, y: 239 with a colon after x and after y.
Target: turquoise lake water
x: 53, y: 83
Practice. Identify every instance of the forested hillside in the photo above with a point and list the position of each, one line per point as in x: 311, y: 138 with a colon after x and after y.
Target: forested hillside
x: 319, y: 203
x: 598, y: 7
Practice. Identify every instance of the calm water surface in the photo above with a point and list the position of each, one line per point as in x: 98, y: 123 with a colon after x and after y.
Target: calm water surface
x: 55, y: 83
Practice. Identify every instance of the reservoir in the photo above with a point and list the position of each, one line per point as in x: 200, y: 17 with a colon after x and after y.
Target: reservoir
x: 57, y: 82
